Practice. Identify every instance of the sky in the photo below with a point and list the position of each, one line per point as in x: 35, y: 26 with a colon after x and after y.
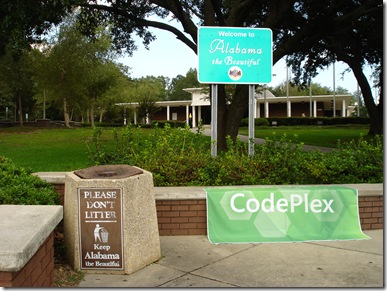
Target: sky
x: 169, y: 57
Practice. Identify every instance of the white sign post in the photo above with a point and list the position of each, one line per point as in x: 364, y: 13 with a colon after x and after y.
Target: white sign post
x: 234, y: 55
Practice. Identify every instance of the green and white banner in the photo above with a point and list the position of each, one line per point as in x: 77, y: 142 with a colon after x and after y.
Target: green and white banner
x: 282, y: 214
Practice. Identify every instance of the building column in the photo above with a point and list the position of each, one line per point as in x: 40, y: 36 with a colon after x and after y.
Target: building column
x: 168, y: 114
x: 255, y: 108
x: 343, y: 108
x: 314, y: 108
x: 199, y: 113
x: 258, y: 110
x: 187, y: 114
x: 289, y: 109
x: 135, y: 116
x: 193, y: 116
x: 266, y: 109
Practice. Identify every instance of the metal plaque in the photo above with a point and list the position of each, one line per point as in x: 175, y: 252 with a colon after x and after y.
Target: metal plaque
x: 100, y: 228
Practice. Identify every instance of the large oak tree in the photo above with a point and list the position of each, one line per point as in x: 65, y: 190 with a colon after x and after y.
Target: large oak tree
x: 309, y: 30
x: 311, y: 33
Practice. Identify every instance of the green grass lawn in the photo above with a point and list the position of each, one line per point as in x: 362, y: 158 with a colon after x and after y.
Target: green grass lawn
x: 326, y: 136
x: 46, y: 149
x: 50, y: 150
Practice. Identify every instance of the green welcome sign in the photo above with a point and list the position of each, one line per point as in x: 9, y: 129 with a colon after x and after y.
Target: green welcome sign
x: 234, y: 55
x: 282, y: 214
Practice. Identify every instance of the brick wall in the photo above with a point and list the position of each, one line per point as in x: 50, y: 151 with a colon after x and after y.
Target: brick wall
x: 371, y: 212
x: 38, y: 272
x: 181, y: 217
x: 188, y: 217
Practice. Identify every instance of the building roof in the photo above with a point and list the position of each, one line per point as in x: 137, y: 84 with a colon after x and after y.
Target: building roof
x: 200, y: 98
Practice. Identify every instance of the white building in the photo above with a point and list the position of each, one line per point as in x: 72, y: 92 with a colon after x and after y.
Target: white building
x: 266, y: 105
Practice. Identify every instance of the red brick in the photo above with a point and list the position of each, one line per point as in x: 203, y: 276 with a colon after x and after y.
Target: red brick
x: 365, y: 204
x: 163, y: 208
x: 377, y: 214
x: 179, y: 231
x: 46, y: 260
x: 188, y: 225
x: 171, y: 214
x: 164, y: 220
x: 197, y: 207
x: 202, y: 213
x: 35, y: 274
x: 164, y: 232
x: 179, y: 219
x: 371, y: 209
x: 365, y: 215
x: 180, y: 208
x: 378, y: 203
x: 197, y: 219
x: 170, y: 226
x: 6, y: 276
x: 171, y: 202
x: 371, y: 198
x: 365, y: 226
x: 188, y: 202
x: 189, y: 213
x: 377, y: 226
x: 370, y: 220
x: 197, y: 231
x: 6, y: 284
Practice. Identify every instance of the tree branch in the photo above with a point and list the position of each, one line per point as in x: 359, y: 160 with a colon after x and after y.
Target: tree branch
x: 140, y: 22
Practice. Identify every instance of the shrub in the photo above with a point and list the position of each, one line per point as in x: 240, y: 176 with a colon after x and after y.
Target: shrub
x: 18, y: 186
x: 257, y: 122
x: 177, y: 157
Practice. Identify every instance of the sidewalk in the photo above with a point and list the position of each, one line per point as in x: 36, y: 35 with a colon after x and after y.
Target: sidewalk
x: 207, y: 132
x: 192, y: 261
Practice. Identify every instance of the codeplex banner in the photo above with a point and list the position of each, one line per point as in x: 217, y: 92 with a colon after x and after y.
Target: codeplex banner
x: 282, y: 214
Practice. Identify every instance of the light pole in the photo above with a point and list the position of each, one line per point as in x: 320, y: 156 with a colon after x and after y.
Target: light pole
x: 334, y: 91
x: 310, y: 98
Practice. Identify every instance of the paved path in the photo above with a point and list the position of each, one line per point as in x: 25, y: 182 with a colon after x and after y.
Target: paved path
x: 192, y: 261
x: 207, y: 131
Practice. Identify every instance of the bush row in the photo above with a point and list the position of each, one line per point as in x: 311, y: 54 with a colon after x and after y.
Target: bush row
x: 18, y: 186
x: 287, y: 121
x: 177, y: 157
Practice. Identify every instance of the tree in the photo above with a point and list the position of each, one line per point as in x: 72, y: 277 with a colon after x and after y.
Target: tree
x: 76, y: 70
x: 353, y: 43
x: 116, y: 88
x: 23, y: 22
x: 175, y: 90
x: 297, y: 26
x: 147, y: 91
x: 297, y: 90
x: 15, y: 75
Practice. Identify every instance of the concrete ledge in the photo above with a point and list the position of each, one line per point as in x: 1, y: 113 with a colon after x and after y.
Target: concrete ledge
x: 189, y: 193
x: 24, y: 228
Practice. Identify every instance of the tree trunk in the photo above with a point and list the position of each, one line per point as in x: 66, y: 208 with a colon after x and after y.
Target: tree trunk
x: 222, y: 119
x: 230, y: 116
x: 65, y: 109
x: 66, y: 113
x: 19, y: 100
x: 92, y: 122
x: 375, y: 112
